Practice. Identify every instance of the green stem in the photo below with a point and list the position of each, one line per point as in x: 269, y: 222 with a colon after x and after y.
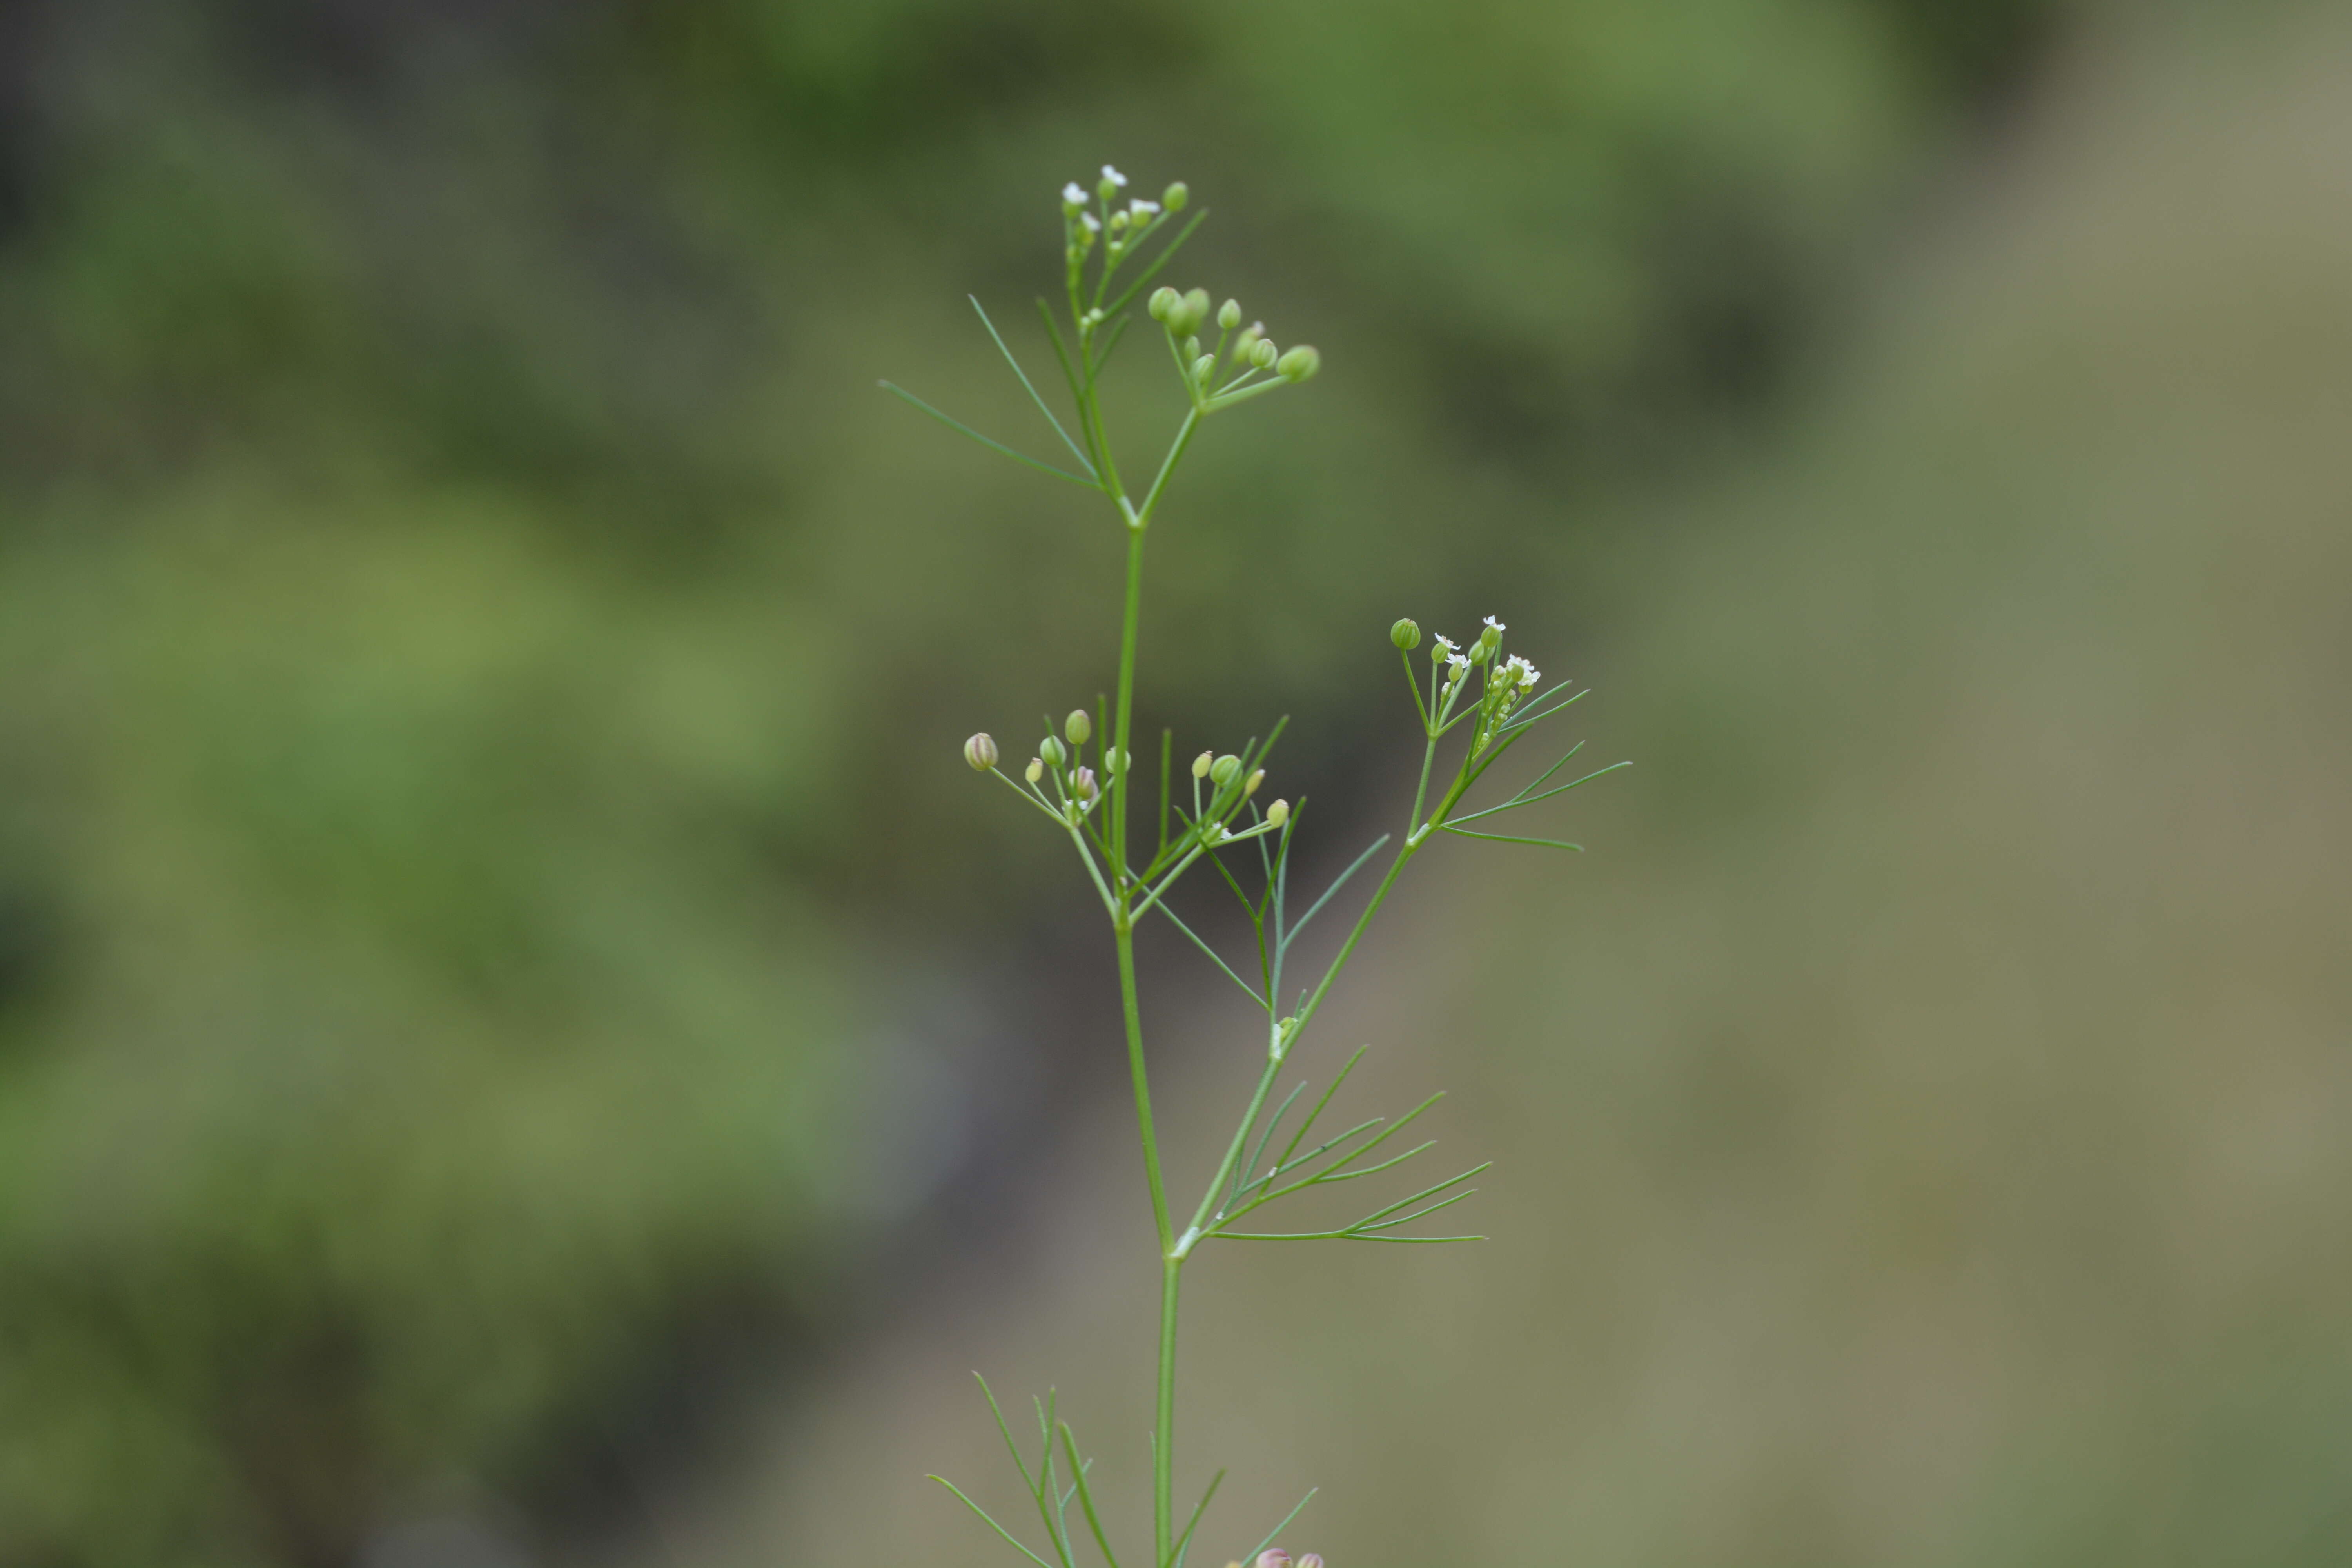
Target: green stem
x: 1133, y: 1015
x: 1163, y: 1446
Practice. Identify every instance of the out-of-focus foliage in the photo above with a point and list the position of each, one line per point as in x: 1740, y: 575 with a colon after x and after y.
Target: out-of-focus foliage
x: 468, y: 629
x: 1920, y: 1120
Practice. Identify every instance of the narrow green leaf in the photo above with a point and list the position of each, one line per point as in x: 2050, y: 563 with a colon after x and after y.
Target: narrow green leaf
x: 1010, y: 1446
x: 953, y: 424
x: 1087, y: 1497
x: 991, y: 1523
x: 998, y: 338
x: 1331, y: 890
x: 1507, y: 838
x: 1212, y: 952
x: 1184, y: 1541
x: 1252, y: 1553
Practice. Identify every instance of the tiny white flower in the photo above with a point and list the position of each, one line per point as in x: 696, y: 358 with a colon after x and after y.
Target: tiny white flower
x: 1093, y: 223
x: 1459, y: 664
x: 1113, y: 175
x: 1448, y: 644
x: 1495, y: 624
x: 1140, y: 208
x: 1073, y: 196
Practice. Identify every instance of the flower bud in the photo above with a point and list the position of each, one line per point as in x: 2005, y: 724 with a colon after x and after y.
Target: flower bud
x: 1197, y: 306
x: 1263, y: 353
x: 1299, y: 364
x: 1224, y: 770
x: 1202, y: 366
x: 1078, y: 727
x: 1274, y: 1557
x: 1312, y: 1560
x: 1036, y: 770
x: 1174, y: 198
x: 1163, y: 300
x: 1051, y: 750
x: 1277, y: 814
x: 1405, y: 634
x: 1229, y: 314
x: 1192, y: 347
x: 981, y: 752
x: 1084, y: 786
x: 1201, y: 765
x: 1250, y: 786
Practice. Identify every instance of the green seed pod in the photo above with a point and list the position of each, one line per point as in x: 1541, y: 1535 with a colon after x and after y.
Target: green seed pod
x: 1224, y: 770
x: 1036, y: 770
x: 1256, y: 779
x: 1229, y: 314
x: 1163, y: 301
x: 1405, y: 634
x: 1201, y: 765
x: 981, y: 752
x: 1202, y: 366
x: 1051, y: 750
x: 1078, y: 727
x: 1174, y: 198
x: 1299, y: 364
x: 1263, y: 353
x: 1192, y: 347
x: 1277, y: 814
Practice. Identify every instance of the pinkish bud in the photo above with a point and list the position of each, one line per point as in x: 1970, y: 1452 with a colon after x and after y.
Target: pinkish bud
x: 1274, y: 1557
x: 1312, y: 1560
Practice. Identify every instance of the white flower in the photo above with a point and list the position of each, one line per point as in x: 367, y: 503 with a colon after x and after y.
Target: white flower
x: 1139, y: 209
x: 1448, y: 644
x: 1459, y: 664
x: 1073, y: 196
x: 1113, y: 175
x: 1093, y: 223
x: 1495, y: 624
x: 1518, y: 669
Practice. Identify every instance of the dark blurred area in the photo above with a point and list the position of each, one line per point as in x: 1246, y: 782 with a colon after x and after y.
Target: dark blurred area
x: 520, y: 1042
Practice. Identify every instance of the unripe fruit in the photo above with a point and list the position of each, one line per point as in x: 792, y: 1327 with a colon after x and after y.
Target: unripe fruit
x: 1201, y: 765
x: 1224, y: 770
x: 1277, y: 814
x: 1077, y: 726
x: 1051, y: 750
x: 1263, y: 353
x: 1163, y: 300
x: 1229, y: 314
x: 981, y: 752
x: 1174, y: 198
x: 1405, y: 634
x: 1299, y: 364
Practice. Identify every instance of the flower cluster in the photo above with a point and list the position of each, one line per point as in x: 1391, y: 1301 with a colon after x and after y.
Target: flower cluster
x: 1101, y: 216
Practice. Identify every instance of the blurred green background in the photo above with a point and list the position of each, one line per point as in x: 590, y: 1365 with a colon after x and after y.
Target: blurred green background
x: 520, y: 1042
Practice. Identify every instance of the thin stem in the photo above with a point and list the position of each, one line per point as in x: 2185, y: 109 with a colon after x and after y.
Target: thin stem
x: 1163, y: 1448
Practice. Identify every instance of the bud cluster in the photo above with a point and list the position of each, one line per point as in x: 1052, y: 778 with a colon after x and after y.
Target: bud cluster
x: 1077, y: 788
x: 1246, y: 352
